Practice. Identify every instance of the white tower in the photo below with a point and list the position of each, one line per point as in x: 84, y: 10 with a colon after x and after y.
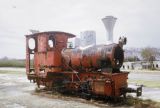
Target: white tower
x: 109, y: 22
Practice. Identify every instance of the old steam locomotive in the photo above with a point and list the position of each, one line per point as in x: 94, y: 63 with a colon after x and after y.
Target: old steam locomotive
x: 94, y: 71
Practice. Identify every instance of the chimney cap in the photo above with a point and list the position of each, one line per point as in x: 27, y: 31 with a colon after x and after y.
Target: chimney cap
x: 110, y: 17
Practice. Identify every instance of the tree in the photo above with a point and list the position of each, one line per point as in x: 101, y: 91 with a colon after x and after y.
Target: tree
x: 149, y: 54
x: 4, y: 58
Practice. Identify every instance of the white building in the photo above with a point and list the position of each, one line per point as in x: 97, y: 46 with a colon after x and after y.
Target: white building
x: 140, y: 65
x: 77, y: 42
x: 88, y: 38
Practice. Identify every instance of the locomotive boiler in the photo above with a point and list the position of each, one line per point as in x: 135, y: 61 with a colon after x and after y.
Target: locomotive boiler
x: 106, y: 57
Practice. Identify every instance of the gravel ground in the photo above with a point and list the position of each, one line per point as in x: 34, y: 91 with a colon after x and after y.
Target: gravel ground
x: 17, y: 92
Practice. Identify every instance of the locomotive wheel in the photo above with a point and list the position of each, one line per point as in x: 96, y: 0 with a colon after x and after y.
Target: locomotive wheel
x: 86, y: 96
x: 124, y: 95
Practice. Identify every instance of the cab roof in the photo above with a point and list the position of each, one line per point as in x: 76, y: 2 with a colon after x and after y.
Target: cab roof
x: 51, y: 32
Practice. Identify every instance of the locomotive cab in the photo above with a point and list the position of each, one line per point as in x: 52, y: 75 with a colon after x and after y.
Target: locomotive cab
x: 46, y: 53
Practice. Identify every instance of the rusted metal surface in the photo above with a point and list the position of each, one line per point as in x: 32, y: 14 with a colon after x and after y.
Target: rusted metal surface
x: 95, y: 57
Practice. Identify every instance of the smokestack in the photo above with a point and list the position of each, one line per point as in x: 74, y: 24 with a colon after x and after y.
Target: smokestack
x: 109, y: 22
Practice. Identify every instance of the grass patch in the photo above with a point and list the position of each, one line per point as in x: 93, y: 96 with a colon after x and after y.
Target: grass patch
x: 12, y: 63
x: 139, y: 103
x: 152, y: 84
x: 11, y: 72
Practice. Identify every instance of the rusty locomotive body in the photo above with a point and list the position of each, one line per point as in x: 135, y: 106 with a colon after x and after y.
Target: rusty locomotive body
x: 92, y: 71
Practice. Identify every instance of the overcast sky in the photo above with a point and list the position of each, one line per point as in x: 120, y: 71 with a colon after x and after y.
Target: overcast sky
x: 138, y: 20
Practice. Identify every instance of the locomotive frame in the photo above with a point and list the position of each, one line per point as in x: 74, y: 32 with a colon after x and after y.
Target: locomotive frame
x: 49, y: 68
